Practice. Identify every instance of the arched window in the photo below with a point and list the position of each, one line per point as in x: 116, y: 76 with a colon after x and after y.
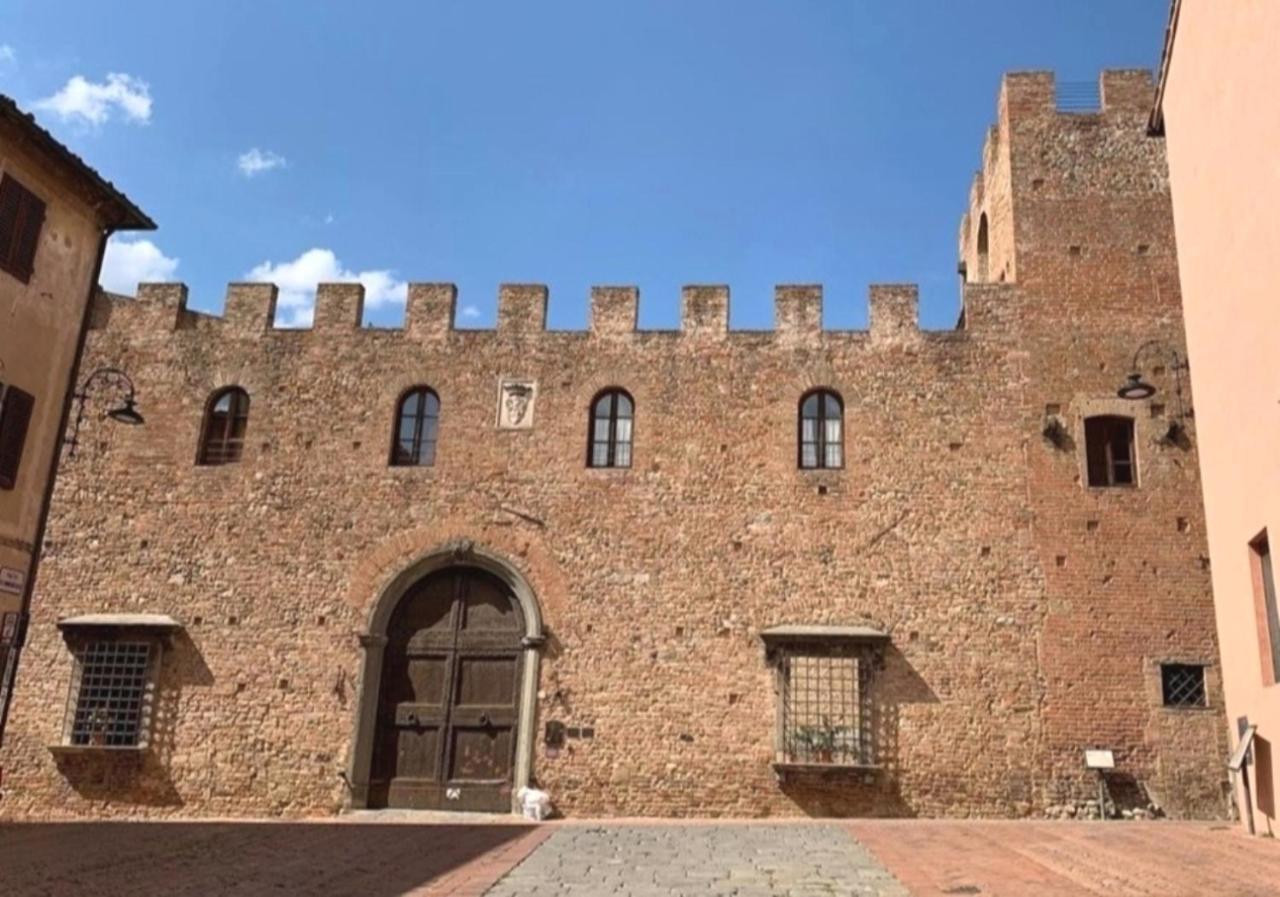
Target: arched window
x: 821, y: 430
x: 225, y: 422
x: 1109, y: 456
x: 610, y: 436
x: 982, y: 248
x: 417, y: 421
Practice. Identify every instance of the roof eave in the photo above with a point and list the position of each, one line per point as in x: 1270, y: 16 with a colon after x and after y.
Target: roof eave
x: 116, y: 210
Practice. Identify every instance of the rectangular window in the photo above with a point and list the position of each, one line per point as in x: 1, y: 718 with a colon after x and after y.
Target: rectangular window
x: 111, y: 694
x: 15, y: 416
x: 21, y: 217
x: 825, y: 708
x: 1109, y: 451
x: 1268, y: 613
x: 1182, y: 685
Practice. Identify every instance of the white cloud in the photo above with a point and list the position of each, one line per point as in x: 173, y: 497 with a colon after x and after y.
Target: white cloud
x: 255, y: 162
x: 95, y: 103
x: 297, y: 279
x: 8, y: 55
x: 470, y: 311
x: 131, y: 262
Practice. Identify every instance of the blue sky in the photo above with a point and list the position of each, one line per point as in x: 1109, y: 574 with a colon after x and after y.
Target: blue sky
x: 652, y: 143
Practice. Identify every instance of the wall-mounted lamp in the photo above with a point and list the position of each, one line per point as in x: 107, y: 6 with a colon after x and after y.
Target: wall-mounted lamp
x: 1135, y: 388
x: 125, y: 413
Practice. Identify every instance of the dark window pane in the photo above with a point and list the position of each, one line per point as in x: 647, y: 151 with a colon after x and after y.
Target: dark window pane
x: 609, y: 430
x: 1109, y: 451
x: 415, y: 435
x: 810, y: 406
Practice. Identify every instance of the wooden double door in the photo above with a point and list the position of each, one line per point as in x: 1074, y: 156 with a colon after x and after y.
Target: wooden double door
x: 448, y: 707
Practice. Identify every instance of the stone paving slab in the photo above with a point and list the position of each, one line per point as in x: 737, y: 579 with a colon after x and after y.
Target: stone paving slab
x: 707, y: 860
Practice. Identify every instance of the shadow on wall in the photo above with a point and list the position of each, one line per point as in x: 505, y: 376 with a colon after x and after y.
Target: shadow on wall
x: 841, y: 793
x: 130, y: 858
x: 143, y: 780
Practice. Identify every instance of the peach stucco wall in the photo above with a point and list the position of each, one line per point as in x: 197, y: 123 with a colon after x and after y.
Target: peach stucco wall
x: 1222, y: 121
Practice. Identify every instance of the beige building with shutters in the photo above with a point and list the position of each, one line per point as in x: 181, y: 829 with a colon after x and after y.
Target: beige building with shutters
x: 56, y: 214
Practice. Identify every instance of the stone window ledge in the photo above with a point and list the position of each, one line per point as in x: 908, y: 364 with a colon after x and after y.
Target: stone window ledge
x: 787, y: 771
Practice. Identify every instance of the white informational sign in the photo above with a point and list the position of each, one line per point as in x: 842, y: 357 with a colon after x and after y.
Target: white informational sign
x: 1099, y: 760
x: 12, y: 580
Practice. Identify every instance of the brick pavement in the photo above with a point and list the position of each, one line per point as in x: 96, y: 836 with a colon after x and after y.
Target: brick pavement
x: 1060, y: 859
x: 437, y: 856
x: 250, y: 859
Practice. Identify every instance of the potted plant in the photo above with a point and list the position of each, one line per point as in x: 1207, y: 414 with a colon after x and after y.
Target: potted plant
x: 816, y: 743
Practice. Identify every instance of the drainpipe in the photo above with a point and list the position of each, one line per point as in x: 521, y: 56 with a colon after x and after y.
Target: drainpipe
x: 24, y: 615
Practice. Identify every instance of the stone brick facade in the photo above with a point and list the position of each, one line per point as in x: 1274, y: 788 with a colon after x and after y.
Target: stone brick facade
x: 1027, y: 614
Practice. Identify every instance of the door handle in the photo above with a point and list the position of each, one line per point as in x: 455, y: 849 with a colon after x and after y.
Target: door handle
x: 484, y: 720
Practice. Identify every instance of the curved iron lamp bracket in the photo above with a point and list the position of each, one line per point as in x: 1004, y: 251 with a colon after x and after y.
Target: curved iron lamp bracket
x: 111, y: 378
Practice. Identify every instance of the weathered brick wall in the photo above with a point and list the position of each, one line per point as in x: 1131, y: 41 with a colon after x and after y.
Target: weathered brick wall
x: 1021, y: 633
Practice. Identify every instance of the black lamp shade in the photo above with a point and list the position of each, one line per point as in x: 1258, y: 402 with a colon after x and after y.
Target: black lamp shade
x: 126, y: 413
x: 1136, y: 388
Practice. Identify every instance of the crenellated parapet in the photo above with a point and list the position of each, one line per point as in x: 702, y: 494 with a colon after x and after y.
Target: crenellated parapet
x: 1067, y: 183
x: 431, y: 313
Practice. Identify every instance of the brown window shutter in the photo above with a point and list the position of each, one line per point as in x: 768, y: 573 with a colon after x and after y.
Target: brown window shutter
x: 10, y: 201
x: 21, y: 217
x: 29, y: 235
x: 14, y: 418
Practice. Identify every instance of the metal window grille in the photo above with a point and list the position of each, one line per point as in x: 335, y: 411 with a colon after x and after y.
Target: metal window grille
x: 1183, y: 685
x: 1078, y: 96
x: 826, y: 709
x: 112, y: 694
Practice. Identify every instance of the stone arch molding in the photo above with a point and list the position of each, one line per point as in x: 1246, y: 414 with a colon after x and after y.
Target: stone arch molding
x: 373, y: 643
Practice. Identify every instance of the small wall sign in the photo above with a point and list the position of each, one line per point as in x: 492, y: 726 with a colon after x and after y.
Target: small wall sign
x: 12, y: 580
x: 1099, y: 760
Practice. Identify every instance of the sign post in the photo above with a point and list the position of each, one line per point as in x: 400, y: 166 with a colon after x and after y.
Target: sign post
x: 1101, y: 761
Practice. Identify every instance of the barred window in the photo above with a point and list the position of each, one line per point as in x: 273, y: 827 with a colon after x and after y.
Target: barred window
x: 111, y: 693
x: 612, y: 413
x: 1182, y: 685
x: 826, y: 706
x: 1109, y: 449
x: 821, y: 430
x: 417, y: 422
x: 225, y: 423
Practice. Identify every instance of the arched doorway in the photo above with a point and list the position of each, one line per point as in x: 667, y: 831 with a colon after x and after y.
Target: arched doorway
x: 448, y: 702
